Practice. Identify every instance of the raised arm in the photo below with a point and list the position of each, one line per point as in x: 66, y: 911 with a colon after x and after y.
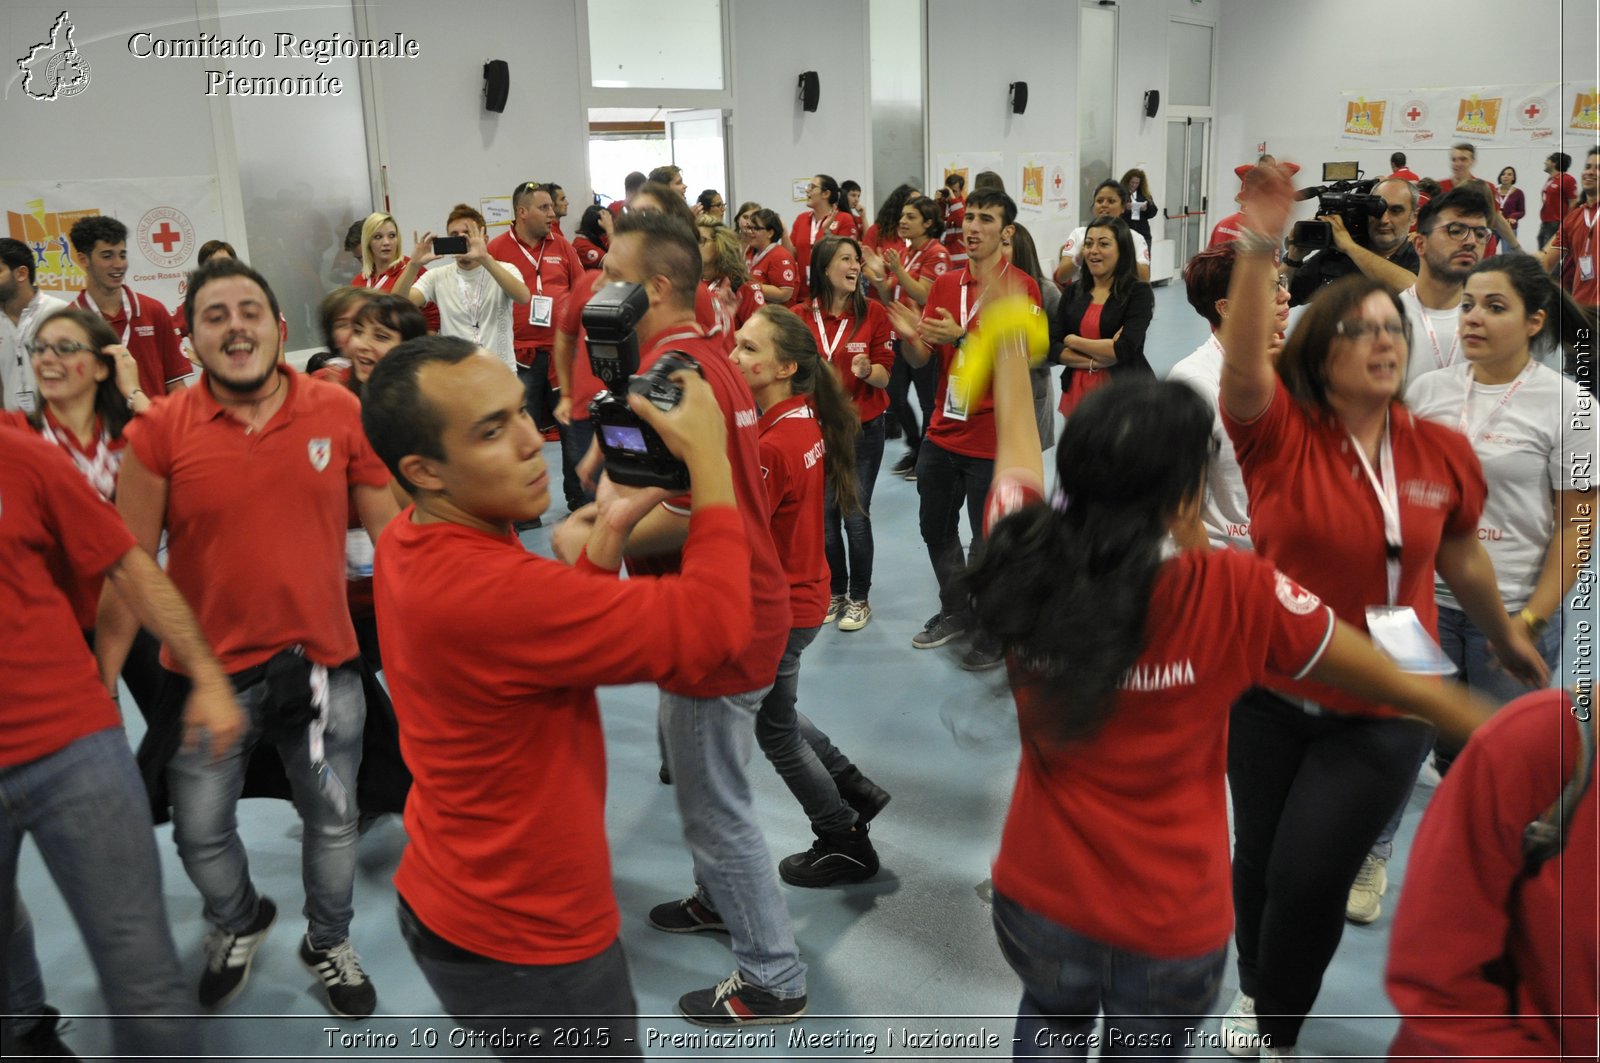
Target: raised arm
x: 1248, y: 379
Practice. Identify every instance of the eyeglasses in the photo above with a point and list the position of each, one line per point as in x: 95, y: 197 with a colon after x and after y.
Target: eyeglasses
x: 1366, y: 330
x: 1458, y: 230
x: 63, y: 349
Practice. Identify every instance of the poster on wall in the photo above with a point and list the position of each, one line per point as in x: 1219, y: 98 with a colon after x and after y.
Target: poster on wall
x: 968, y: 164
x: 1044, y: 182
x: 167, y: 219
x: 1582, y: 109
x: 1494, y: 115
x: 1363, y: 119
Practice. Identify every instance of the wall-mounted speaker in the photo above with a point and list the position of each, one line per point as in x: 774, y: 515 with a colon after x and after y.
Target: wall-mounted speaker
x: 496, y: 85
x: 810, y: 89
x: 1152, y: 103
x: 1019, y: 97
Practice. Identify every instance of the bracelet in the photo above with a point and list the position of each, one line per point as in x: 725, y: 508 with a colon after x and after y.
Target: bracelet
x: 131, y: 394
x: 1537, y: 625
x: 1094, y: 366
x: 1251, y: 242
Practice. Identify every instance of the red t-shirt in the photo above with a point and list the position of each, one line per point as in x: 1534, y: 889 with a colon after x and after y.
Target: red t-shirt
x: 1576, y: 238
x: 769, y: 587
x: 955, y: 427
x: 807, y: 231
x: 792, y: 466
x: 871, y: 237
x: 927, y: 264
x: 774, y: 266
x: 1230, y: 228
x: 256, y: 521
x: 1315, y: 514
x: 506, y: 854
x: 358, y: 591
x: 52, y: 523
x: 558, y: 271
x: 149, y: 335
x: 384, y: 282
x: 589, y: 253
x: 840, y: 339
x: 1557, y: 197
x: 732, y: 309
x: 955, y: 212
x: 1123, y: 836
x: 585, y: 385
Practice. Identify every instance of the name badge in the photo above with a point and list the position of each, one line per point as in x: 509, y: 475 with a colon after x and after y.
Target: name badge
x: 540, y: 309
x: 1397, y: 632
x: 357, y: 554
x: 1586, y: 267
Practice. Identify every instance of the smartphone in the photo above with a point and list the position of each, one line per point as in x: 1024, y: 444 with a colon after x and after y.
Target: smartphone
x: 449, y: 245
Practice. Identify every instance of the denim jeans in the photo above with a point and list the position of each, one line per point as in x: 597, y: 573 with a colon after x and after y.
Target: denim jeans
x: 902, y: 378
x: 585, y: 1008
x: 852, y: 575
x: 1068, y: 980
x: 708, y: 743
x: 946, y: 480
x: 541, y: 393
x: 806, y: 759
x: 85, y: 807
x: 1310, y: 794
x: 205, y: 795
x: 575, y: 440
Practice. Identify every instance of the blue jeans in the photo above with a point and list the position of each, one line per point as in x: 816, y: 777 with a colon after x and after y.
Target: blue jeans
x: 1068, y: 979
x: 853, y: 576
x: 708, y: 743
x: 86, y: 809
x: 585, y: 1008
x: 806, y: 759
x: 946, y: 480
x: 575, y: 440
x: 205, y: 795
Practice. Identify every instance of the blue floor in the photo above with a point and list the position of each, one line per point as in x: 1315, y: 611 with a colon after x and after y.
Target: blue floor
x: 911, y: 950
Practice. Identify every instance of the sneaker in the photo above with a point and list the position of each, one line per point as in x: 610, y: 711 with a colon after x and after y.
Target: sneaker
x: 856, y: 616
x: 228, y: 956
x: 1240, y: 1034
x: 861, y: 794
x: 1367, y: 891
x: 983, y: 656
x: 906, y: 466
x: 911, y: 475
x: 42, y: 1041
x: 686, y: 917
x: 939, y: 630
x: 835, y: 605
x: 843, y: 856
x: 350, y: 991
x: 664, y: 773
x: 735, y: 1002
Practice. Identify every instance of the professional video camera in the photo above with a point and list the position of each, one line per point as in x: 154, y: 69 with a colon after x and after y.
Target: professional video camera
x: 1346, y: 195
x: 634, y: 452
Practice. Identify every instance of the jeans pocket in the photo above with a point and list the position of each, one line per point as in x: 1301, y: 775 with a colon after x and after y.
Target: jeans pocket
x: 1188, y: 986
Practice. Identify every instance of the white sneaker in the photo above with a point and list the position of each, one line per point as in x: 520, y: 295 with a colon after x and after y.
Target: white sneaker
x: 836, y: 605
x: 1240, y: 1035
x: 1366, y: 893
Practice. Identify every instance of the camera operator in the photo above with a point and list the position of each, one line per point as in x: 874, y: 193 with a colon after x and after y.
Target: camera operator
x: 1384, y: 252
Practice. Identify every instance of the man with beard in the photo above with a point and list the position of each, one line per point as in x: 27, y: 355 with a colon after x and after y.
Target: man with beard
x: 1387, y: 256
x: 1452, y: 231
x: 224, y: 468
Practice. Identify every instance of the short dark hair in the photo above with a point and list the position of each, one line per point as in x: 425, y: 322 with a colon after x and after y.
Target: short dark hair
x: 218, y: 269
x: 335, y: 304
x: 955, y: 180
x: 1303, y: 365
x: 97, y: 229
x: 1206, y: 279
x: 994, y: 197
x: 1469, y: 148
x: 212, y: 247
x: 849, y: 186
x: 395, y: 314
x: 663, y: 175
x: 669, y: 249
x: 1561, y: 159
x: 766, y: 218
x: 397, y: 418
x: 932, y: 218
x: 589, y: 224
x: 632, y: 182
x: 520, y: 194
x: 988, y: 179
x: 671, y: 203
x: 1463, y: 199
x: 352, y: 236
x: 1397, y: 160
x: 17, y: 255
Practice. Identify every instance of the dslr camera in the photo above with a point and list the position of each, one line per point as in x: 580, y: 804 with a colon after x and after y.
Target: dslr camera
x: 1344, y: 194
x: 635, y: 454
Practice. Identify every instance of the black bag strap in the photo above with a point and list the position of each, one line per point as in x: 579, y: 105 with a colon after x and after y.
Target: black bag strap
x: 1546, y: 836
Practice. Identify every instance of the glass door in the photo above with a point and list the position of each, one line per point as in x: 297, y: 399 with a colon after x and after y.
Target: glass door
x: 1188, y: 167
x: 699, y: 146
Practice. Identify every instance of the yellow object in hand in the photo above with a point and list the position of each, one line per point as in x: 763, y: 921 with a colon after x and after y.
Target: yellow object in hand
x: 1013, y: 319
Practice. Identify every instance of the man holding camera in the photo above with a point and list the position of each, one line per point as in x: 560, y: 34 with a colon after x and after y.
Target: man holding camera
x: 1383, y: 252
x: 707, y: 724
x: 505, y: 885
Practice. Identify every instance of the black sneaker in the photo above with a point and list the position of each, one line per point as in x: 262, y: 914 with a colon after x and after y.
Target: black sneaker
x: 42, y: 1041
x: 350, y: 991
x: 906, y: 466
x: 861, y: 794
x: 687, y: 916
x: 985, y: 654
x: 735, y: 1002
x: 845, y: 856
x: 939, y: 630
x: 228, y: 956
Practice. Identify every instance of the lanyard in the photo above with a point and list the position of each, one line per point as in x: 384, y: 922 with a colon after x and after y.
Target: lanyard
x: 763, y: 253
x: 472, y: 295
x: 693, y: 333
x: 967, y: 315
x: 910, y: 266
x: 1388, y: 501
x: 1433, y: 337
x: 129, y: 310
x: 817, y: 224
x: 538, y: 280
x: 1466, y: 402
x: 822, y: 333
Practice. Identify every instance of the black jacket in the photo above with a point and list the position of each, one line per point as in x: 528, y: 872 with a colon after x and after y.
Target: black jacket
x: 1131, y: 315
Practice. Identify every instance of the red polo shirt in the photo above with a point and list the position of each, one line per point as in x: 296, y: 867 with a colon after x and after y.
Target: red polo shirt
x: 145, y: 328
x: 256, y: 520
x: 1557, y: 197
x: 732, y: 309
x: 1315, y: 514
x: 840, y: 339
x: 792, y: 464
x: 955, y: 212
x: 558, y: 271
x: 773, y: 265
x: 808, y: 231
x: 53, y: 526
x: 964, y: 428
x: 585, y: 385
x: 927, y: 264
x: 1577, y: 239
x: 384, y: 282
x: 591, y: 254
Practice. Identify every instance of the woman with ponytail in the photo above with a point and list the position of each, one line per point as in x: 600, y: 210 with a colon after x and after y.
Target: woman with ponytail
x: 1124, y: 652
x: 806, y: 416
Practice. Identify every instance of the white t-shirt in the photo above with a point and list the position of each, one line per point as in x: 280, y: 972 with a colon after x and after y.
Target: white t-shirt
x: 1541, y: 439
x: 473, y: 306
x: 17, y: 388
x: 1433, y: 337
x: 1226, y: 511
x: 1075, y: 241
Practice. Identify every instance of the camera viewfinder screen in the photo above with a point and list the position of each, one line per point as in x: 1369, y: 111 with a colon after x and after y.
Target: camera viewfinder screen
x: 622, y: 437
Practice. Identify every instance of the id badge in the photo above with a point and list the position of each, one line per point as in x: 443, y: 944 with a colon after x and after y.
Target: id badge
x: 1586, y: 267
x: 540, y: 309
x: 1397, y: 632
x: 956, y: 398
x: 357, y: 554
x: 25, y: 401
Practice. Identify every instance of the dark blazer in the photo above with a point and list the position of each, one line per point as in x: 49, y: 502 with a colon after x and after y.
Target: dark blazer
x: 1131, y: 315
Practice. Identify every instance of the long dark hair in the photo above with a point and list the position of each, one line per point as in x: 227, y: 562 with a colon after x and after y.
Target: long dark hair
x: 1565, y: 320
x: 836, y: 414
x: 589, y: 225
x: 1066, y: 588
x: 1126, y: 275
x: 888, y: 219
x: 822, y: 292
x: 1025, y: 255
x: 400, y: 316
x: 109, y: 403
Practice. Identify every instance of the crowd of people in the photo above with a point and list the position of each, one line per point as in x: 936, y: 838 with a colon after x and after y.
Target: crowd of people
x: 1246, y: 576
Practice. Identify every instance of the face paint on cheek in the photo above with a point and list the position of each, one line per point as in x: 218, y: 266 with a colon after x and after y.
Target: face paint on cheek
x: 80, y: 371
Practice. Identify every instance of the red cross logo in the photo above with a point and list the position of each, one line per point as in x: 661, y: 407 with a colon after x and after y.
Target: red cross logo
x: 1057, y: 180
x: 166, y: 236
x: 1413, y: 114
x: 1532, y: 111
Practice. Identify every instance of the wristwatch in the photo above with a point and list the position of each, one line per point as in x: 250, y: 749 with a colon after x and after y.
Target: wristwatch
x: 1537, y: 625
